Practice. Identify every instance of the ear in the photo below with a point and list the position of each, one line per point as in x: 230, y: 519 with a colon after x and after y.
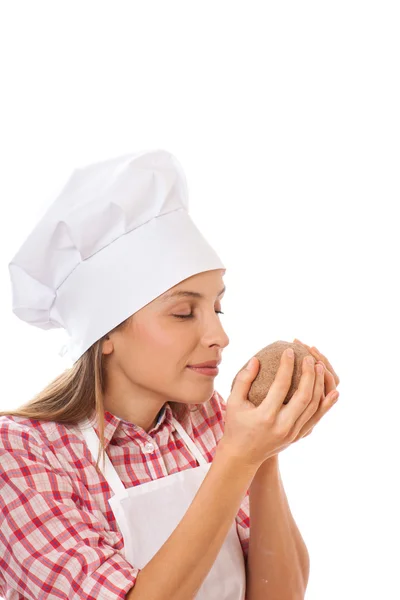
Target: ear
x: 107, y: 346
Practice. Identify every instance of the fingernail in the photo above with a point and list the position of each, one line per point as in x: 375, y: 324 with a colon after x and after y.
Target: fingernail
x: 250, y: 364
x: 290, y: 352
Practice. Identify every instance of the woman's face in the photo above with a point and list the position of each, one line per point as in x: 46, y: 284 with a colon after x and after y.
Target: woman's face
x: 150, y: 356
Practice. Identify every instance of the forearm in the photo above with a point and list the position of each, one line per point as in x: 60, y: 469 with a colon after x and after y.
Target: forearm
x: 179, y: 568
x: 278, y: 561
x: 301, y: 547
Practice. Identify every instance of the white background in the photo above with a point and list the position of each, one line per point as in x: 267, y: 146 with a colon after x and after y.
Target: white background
x: 285, y: 118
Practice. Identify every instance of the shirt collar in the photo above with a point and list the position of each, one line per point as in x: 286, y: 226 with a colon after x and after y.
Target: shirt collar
x: 112, y: 424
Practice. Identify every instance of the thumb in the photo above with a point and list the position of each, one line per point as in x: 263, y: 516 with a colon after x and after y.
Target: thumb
x: 243, y: 380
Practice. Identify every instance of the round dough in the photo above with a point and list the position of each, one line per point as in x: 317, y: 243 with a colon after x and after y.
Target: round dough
x: 270, y: 358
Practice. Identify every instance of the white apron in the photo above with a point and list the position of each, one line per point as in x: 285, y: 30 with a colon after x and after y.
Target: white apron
x: 148, y: 513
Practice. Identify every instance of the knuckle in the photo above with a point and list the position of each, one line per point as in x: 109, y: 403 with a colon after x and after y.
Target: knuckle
x: 304, y: 400
x: 314, y: 406
x: 282, y: 430
x: 292, y: 434
x: 268, y: 420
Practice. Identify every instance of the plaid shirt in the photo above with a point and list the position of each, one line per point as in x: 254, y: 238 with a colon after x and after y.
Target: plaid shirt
x: 58, y: 535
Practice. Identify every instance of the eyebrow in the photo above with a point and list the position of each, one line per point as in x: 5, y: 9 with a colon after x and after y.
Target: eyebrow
x: 188, y: 293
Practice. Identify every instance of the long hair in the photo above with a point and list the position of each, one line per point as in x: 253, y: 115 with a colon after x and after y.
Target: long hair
x: 74, y: 394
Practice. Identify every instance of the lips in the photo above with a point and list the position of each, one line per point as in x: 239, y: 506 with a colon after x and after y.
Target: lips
x: 210, y: 371
x: 209, y: 364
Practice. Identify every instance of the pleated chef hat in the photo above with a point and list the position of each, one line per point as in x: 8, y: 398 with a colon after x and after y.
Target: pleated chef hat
x: 118, y: 236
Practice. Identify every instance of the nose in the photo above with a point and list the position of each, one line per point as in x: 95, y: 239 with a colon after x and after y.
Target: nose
x: 215, y: 334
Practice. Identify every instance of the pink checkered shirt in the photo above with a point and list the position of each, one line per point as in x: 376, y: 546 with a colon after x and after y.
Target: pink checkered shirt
x: 58, y: 535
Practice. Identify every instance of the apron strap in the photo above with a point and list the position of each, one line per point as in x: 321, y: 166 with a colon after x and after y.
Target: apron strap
x: 109, y: 472
x: 189, y: 442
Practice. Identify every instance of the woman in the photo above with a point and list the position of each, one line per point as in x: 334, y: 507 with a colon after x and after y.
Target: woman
x: 118, y: 263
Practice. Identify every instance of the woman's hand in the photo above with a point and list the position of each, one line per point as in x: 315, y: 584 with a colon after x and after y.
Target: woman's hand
x: 254, y: 434
x: 331, y: 380
x: 320, y: 358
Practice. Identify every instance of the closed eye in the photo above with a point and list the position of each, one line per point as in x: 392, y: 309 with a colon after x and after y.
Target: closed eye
x: 191, y: 315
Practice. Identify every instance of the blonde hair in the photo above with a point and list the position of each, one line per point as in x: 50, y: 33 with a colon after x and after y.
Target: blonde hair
x: 74, y: 394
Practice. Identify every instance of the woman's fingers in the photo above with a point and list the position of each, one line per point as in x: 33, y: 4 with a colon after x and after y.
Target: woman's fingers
x: 329, y: 381
x: 279, y: 389
x: 324, y: 406
x: 307, y: 405
x: 318, y: 356
x: 243, y: 381
x: 310, y: 392
x: 304, y: 422
x: 328, y: 365
x: 302, y: 344
x: 273, y: 403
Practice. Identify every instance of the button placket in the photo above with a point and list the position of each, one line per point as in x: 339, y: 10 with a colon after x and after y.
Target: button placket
x: 148, y: 448
x: 156, y: 467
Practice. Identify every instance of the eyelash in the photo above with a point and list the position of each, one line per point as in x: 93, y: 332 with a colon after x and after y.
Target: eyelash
x: 191, y: 315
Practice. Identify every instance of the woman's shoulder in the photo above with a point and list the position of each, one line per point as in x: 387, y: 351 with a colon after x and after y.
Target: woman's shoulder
x: 23, y: 441
x: 15, y: 430
x: 18, y: 432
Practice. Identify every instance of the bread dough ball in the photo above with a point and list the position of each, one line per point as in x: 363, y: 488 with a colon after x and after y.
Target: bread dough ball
x: 270, y: 358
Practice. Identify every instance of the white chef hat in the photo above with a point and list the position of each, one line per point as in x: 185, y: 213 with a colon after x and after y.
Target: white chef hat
x: 117, y: 237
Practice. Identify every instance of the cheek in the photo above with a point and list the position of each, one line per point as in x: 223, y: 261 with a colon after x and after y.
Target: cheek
x: 157, y: 347
x: 158, y: 337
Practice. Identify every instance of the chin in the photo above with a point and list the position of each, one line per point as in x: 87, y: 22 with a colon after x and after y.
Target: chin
x: 201, y: 397
x: 193, y: 395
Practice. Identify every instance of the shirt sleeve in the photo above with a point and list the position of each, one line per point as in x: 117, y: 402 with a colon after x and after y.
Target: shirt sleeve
x: 243, y: 524
x: 50, y: 546
x: 243, y: 515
